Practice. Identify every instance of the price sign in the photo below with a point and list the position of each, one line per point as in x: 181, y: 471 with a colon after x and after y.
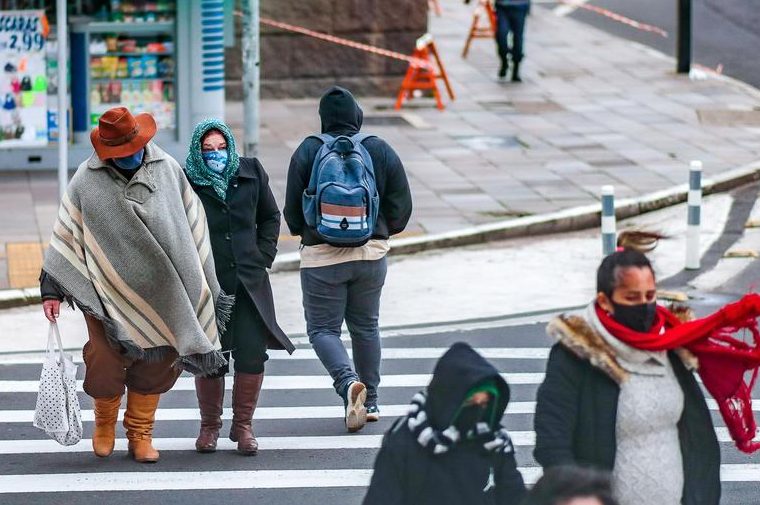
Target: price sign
x: 23, y: 78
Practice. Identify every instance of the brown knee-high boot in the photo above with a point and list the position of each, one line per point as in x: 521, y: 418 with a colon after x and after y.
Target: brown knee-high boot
x: 106, y: 414
x: 245, y: 396
x: 138, y: 421
x: 210, y: 394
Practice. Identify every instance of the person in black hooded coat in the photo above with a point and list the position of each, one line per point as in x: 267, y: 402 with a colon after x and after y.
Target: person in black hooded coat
x: 422, y: 459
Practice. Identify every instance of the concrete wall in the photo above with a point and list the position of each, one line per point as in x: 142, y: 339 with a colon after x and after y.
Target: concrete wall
x: 297, y: 66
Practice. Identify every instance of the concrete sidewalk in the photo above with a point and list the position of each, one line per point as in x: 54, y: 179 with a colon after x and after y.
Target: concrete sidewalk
x: 593, y: 110
x: 469, y: 287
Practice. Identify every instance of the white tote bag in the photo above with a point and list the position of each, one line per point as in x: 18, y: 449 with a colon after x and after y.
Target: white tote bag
x: 57, y: 412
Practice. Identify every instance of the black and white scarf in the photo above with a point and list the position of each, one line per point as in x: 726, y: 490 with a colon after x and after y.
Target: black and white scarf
x: 440, y: 442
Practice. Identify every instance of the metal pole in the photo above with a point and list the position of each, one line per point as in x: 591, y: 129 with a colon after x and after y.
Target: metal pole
x: 683, y: 44
x: 609, y: 232
x: 694, y: 217
x: 251, y: 85
x: 63, y: 123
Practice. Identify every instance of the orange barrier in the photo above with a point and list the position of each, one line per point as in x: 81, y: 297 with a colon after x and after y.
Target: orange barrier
x: 477, y: 31
x: 424, y: 77
x: 435, y: 6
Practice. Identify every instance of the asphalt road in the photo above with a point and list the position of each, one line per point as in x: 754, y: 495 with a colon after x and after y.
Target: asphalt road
x: 314, y: 461
x: 725, y: 32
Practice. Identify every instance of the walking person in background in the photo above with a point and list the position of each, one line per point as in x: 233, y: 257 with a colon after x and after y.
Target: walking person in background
x: 510, y: 19
x: 347, y: 193
x: 619, y: 392
x: 130, y: 249
x: 451, y: 448
x: 571, y: 485
x: 244, y: 225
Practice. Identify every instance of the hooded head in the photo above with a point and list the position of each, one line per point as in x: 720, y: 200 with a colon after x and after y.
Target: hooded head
x: 459, y: 374
x: 339, y: 112
x: 195, y: 166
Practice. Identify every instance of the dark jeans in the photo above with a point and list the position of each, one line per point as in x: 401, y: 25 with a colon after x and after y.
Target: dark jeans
x: 349, y: 291
x: 510, y: 19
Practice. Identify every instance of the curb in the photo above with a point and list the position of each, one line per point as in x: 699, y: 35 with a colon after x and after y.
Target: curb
x: 10, y: 298
x: 573, y: 219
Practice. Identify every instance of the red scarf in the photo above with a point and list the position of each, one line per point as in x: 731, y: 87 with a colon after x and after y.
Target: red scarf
x: 723, y: 359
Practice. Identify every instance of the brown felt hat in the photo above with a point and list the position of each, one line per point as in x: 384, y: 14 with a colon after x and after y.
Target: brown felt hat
x: 121, y: 134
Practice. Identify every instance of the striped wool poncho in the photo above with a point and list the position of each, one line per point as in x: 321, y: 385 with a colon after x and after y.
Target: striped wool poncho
x: 136, y: 255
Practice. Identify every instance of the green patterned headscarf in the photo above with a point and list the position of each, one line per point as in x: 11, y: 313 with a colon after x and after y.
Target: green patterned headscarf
x: 196, y: 168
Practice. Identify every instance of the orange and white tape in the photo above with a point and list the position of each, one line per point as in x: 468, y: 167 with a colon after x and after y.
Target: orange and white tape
x: 348, y: 43
x: 616, y: 17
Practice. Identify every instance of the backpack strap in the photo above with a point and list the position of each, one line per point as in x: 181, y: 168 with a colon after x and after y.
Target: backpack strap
x: 361, y: 137
x: 322, y: 137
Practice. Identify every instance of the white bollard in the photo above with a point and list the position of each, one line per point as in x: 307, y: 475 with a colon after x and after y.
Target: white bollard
x: 609, y: 232
x: 694, y: 217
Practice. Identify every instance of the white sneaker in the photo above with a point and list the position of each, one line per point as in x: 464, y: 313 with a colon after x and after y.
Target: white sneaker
x: 356, y: 413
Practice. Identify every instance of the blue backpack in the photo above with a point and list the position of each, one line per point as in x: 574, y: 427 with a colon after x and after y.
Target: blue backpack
x: 341, y: 202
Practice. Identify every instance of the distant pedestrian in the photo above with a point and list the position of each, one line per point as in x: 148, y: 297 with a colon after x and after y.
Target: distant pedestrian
x: 130, y: 248
x: 451, y: 448
x: 619, y: 392
x: 244, y: 226
x: 510, y: 34
x: 347, y: 193
x: 571, y: 485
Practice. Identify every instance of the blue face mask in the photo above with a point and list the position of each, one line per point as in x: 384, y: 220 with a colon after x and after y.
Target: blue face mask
x: 131, y: 162
x: 216, y: 161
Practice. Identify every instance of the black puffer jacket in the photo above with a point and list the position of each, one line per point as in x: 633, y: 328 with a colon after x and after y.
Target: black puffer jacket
x: 341, y: 115
x: 408, y: 474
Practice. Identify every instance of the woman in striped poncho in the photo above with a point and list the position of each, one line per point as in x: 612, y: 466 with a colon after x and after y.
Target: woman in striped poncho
x: 130, y: 248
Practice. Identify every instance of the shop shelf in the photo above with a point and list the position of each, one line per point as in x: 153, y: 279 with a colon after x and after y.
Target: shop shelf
x: 124, y: 53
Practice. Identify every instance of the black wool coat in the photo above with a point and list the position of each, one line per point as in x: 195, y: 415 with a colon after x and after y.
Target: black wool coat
x: 244, y: 229
x: 576, y: 415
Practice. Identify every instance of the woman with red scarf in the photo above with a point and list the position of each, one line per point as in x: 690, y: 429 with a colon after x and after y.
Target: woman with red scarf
x: 620, y: 393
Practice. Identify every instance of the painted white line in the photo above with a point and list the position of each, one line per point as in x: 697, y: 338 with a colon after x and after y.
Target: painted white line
x: 46, y: 446
x: 262, y: 413
x: 568, y: 8
x: 246, y: 479
x: 389, y: 353
x: 277, y: 413
x: 740, y: 473
x: 281, y: 382
x: 159, y: 481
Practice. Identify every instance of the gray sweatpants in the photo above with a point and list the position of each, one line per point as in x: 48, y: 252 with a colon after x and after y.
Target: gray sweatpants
x: 349, y: 291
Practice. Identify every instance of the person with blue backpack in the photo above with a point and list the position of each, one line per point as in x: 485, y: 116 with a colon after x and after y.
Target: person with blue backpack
x: 347, y: 193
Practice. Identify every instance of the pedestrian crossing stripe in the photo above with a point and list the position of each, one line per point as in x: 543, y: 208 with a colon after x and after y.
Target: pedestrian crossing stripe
x: 530, y: 353
x: 47, y: 446
x: 281, y: 413
x: 280, y: 382
x: 246, y: 479
x: 302, y: 382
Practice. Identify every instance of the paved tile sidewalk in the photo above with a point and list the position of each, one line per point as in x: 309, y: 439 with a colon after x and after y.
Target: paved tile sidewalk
x: 593, y: 110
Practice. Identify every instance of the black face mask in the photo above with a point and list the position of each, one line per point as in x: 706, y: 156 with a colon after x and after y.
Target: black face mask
x: 470, y: 416
x: 636, y: 317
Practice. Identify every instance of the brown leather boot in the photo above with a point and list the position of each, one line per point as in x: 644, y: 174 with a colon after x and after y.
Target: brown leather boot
x: 138, y: 421
x: 245, y: 396
x: 210, y: 394
x: 106, y: 414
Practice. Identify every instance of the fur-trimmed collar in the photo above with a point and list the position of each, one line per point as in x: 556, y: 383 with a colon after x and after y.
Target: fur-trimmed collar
x: 582, y: 339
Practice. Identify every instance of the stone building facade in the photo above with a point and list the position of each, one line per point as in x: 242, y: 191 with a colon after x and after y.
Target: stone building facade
x: 294, y: 65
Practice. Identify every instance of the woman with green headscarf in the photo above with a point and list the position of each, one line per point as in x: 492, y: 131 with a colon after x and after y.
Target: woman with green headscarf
x: 244, y: 225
